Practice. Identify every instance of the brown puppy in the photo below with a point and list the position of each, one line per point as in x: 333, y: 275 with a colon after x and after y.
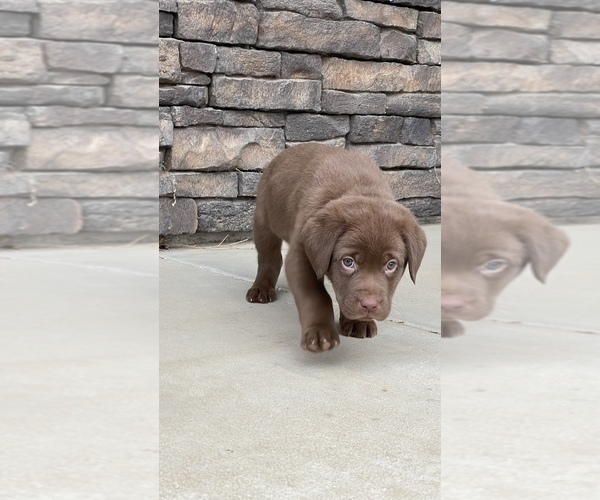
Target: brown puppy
x: 339, y: 216
x: 486, y: 243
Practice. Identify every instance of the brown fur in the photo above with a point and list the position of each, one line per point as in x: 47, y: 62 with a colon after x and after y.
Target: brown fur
x: 330, y: 204
x: 478, y: 229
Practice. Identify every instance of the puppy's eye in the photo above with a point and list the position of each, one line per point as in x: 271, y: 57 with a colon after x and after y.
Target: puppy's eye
x: 348, y: 262
x: 391, y: 265
x: 494, y: 266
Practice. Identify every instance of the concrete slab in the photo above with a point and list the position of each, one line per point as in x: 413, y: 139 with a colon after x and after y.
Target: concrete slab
x: 78, y: 373
x: 520, y: 390
x: 245, y: 413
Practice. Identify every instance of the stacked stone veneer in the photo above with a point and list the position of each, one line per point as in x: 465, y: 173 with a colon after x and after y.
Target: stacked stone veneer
x: 241, y: 81
x: 521, y: 99
x: 78, y: 121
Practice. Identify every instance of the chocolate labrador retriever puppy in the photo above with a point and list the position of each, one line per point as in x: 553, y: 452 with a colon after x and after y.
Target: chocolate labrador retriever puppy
x: 339, y: 216
x: 486, y: 243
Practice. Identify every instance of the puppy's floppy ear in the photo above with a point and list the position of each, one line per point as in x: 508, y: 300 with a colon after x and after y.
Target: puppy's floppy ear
x: 545, y: 243
x: 414, y: 240
x: 319, y: 234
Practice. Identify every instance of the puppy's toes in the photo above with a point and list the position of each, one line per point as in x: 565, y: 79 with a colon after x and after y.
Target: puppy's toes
x: 261, y: 295
x: 358, y: 329
x: 452, y: 329
x: 320, y: 339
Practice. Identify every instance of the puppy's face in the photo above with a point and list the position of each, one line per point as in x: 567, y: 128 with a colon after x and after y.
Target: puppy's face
x: 485, y: 246
x: 364, y: 246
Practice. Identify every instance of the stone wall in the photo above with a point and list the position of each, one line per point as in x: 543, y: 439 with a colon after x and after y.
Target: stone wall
x: 521, y: 99
x: 242, y: 80
x: 78, y: 95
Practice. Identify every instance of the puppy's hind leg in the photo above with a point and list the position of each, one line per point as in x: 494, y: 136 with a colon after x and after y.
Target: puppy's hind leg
x: 268, y: 246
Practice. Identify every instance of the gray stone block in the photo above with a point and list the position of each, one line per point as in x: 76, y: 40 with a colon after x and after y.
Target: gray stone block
x: 495, y: 44
x: 478, y: 129
x: 529, y: 104
x: 424, y: 209
x: 286, y: 30
x: 553, y: 131
x: 198, y: 56
x: 248, y: 183
x: 183, y: 95
x: 383, y: 15
x: 329, y: 9
x: 252, y: 119
x: 167, y: 5
x: 109, y: 21
x: 421, y: 105
x: 132, y: 91
x: 180, y: 217
x: 498, y: 16
x: 577, y: 24
x: 140, y: 60
x: 306, y: 66
x: 207, y: 148
x: 237, y: 61
x: 92, y: 148
x: 199, y: 185
x: 249, y: 93
x: 575, y: 52
x: 220, y: 21
x: 93, y: 185
x: 336, y: 102
x: 120, y: 216
x: 63, y: 116
x: 168, y: 57
x: 567, y: 209
x: 507, y: 77
x: 429, y: 25
x: 66, y: 77
x: 415, y: 183
x: 20, y: 5
x: 312, y: 127
x: 511, y: 185
x: 519, y: 155
x: 22, y: 61
x: 344, y: 74
x: 400, y: 155
x: 398, y: 46
x: 193, y: 78
x: 216, y: 216
x: 165, y: 128
x: 57, y: 216
x: 186, y: 116
x: 40, y: 95
x: 165, y: 24
x: 417, y: 131
x: 15, y: 130
x: 15, y: 24
x: 429, y: 52
x: 84, y: 56
x: 338, y: 142
x: 375, y: 129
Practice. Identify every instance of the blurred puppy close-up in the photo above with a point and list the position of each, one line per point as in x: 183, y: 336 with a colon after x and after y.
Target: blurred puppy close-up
x: 337, y: 212
x: 486, y: 243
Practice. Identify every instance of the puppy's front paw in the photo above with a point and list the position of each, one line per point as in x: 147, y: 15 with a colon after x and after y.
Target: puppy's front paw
x: 261, y: 295
x: 320, y: 339
x: 452, y: 329
x: 358, y: 329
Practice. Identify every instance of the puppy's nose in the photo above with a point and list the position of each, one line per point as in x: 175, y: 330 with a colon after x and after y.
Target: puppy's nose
x: 452, y: 303
x: 369, y: 303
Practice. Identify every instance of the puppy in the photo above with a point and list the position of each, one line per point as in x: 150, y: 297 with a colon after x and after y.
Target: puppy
x: 486, y: 243
x: 340, y: 218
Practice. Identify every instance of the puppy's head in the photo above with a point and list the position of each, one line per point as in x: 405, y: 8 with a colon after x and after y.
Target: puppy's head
x: 364, y: 245
x: 485, y: 245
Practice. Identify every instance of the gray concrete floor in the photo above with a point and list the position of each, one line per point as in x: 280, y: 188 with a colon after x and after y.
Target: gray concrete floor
x: 79, y: 373
x: 246, y: 413
x: 521, y: 390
